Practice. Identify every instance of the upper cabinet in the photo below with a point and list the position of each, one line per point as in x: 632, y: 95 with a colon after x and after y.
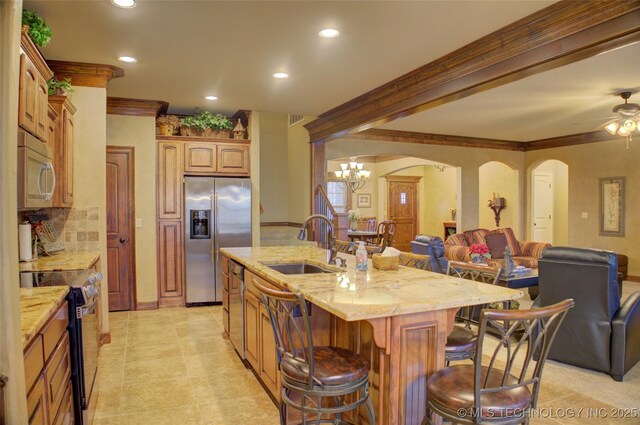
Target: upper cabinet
x: 64, y: 139
x: 33, y: 103
x: 199, y: 158
x: 233, y: 159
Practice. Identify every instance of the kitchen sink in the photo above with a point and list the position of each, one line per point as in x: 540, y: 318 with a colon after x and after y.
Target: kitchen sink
x: 298, y: 268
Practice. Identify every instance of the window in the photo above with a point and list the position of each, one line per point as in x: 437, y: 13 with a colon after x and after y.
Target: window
x: 403, y: 198
x: 338, y: 195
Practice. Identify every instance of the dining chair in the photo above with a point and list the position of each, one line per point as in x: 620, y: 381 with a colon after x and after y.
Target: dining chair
x: 462, y: 341
x: 504, y: 388
x: 312, y: 374
x: 372, y: 224
x: 386, y: 230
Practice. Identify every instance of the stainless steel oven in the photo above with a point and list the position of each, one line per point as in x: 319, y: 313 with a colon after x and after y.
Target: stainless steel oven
x: 84, y: 306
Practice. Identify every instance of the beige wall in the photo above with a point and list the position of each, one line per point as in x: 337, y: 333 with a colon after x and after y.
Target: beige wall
x: 439, y: 196
x: 299, y: 169
x: 496, y: 177
x: 274, y: 173
x: 139, y: 133
x: 587, y: 164
x: 11, y: 360
x: 560, y: 173
x: 90, y: 165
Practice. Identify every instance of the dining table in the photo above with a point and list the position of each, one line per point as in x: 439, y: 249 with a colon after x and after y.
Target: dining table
x: 362, y: 235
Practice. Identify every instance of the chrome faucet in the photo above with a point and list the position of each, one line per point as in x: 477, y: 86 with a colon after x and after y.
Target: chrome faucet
x: 333, y: 250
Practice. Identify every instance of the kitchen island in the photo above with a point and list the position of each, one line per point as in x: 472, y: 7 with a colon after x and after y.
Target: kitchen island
x: 398, y: 319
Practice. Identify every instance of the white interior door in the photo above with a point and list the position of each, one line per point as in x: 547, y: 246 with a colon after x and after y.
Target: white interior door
x: 543, y: 207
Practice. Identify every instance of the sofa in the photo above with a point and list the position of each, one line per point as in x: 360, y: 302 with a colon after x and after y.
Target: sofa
x: 600, y: 332
x: 525, y: 253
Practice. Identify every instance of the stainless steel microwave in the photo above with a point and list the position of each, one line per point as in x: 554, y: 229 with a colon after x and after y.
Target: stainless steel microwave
x: 36, y: 177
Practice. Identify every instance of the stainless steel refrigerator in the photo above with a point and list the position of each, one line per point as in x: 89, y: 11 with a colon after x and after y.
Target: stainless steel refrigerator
x: 217, y: 215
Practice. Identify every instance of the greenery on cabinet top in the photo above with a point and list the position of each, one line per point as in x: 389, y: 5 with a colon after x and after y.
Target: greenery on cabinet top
x: 39, y: 31
x: 205, y: 120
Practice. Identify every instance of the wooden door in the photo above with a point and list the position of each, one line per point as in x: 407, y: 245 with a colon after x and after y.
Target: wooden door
x: 120, y: 228
x: 199, y: 158
x: 403, y: 209
x: 170, y: 180
x: 251, y: 338
x: 27, y: 107
x: 233, y: 159
x: 543, y: 207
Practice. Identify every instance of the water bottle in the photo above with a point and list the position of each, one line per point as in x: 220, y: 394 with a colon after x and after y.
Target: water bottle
x: 361, y: 257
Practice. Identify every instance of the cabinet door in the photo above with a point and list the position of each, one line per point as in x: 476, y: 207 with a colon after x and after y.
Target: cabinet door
x: 68, y: 138
x: 199, y: 158
x: 169, y: 180
x: 27, y: 106
x: 170, y: 262
x: 52, y: 132
x: 37, y: 404
x: 42, y: 106
x: 268, y: 358
x: 251, y: 336
x: 233, y: 159
x: 58, y: 376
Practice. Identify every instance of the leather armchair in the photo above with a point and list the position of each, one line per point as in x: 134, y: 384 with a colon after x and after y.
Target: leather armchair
x: 434, y: 248
x: 598, y: 333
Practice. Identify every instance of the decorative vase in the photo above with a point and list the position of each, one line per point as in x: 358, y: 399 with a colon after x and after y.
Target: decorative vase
x: 185, y: 131
x: 477, y: 259
x: 353, y: 225
x: 165, y: 129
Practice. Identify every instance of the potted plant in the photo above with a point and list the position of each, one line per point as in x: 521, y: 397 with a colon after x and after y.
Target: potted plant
x: 353, y: 216
x: 59, y: 88
x: 206, y: 124
x: 167, y: 124
x: 38, y: 30
x: 479, y: 253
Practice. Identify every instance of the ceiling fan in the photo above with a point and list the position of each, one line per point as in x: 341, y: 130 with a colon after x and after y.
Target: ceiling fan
x: 626, y: 118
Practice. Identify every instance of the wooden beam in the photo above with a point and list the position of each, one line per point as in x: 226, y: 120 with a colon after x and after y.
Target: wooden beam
x: 138, y: 107
x: 437, y: 139
x: 318, y: 169
x: 563, y: 33
x: 573, y: 139
x: 85, y: 74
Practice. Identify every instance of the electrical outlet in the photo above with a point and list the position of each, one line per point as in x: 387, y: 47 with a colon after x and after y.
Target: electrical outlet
x: 585, y: 214
x: 138, y: 222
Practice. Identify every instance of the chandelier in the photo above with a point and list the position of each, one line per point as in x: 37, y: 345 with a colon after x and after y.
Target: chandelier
x: 353, y: 174
x: 627, y: 118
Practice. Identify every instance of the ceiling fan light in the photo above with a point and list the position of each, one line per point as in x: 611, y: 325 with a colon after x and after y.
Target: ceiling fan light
x: 623, y: 131
x: 612, y: 127
x: 629, y: 125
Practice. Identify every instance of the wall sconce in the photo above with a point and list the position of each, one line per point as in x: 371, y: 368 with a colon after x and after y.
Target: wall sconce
x: 497, y: 205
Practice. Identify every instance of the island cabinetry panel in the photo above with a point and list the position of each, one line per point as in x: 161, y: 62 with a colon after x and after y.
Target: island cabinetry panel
x: 251, y: 331
x: 170, y: 180
x: 268, y: 359
x: 200, y: 158
x: 48, y: 372
x: 233, y: 159
x: 63, y: 148
x: 225, y: 296
x: 170, y: 262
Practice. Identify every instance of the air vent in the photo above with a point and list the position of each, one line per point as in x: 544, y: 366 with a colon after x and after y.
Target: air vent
x: 295, y: 119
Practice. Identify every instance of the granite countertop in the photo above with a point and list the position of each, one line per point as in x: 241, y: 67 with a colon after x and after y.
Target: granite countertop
x: 61, y: 262
x: 36, y: 306
x: 353, y: 295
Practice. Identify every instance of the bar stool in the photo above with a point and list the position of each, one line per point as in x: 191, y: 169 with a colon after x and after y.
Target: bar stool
x: 462, y: 341
x: 504, y: 390
x: 313, y: 373
x: 418, y: 261
x: 345, y: 247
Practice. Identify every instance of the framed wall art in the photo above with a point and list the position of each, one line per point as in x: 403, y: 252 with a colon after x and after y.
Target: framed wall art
x: 364, y: 200
x: 612, y: 206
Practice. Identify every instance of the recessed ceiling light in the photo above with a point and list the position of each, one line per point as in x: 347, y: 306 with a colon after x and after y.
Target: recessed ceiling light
x: 280, y: 75
x: 124, y: 3
x: 127, y: 59
x: 211, y: 97
x: 329, y: 33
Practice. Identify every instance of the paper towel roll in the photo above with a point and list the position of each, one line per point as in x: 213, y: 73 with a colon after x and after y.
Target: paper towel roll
x: 24, y: 240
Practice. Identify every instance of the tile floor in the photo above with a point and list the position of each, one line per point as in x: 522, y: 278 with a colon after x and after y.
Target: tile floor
x: 172, y: 366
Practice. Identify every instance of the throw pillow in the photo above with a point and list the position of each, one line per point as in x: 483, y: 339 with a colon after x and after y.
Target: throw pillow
x: 497, y: 242
x: 512, y: 241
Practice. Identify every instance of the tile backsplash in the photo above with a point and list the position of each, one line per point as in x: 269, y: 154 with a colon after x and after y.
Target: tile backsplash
x: 77, y: 227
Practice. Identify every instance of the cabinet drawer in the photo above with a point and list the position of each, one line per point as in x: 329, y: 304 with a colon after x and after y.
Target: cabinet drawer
x: 54, y: 330
x: 225, y: 320
x: 37, y: 404
x: 225, y: 264
x: 33, y: 362
x: 65, y: 412
x: 58, y: 375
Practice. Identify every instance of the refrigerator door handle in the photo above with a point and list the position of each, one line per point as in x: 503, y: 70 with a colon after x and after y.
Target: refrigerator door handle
x: 214, y: 236
x: 215, y: 223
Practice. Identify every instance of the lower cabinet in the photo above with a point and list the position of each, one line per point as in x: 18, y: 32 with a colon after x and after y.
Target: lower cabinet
x: 170, y: 262
x: 37, y: 404
x: 251, y: 333
x: 268, y: 357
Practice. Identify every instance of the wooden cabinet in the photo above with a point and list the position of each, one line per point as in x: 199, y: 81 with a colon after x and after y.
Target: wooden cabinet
x: 251, y: 329
x: 170, y: 262
x: 200, y: 158
x: 33, y: 99
x: 48, y: 373
x: 233, y: 159
x: 268, y: 359
x: 225, y: 296
x: 170, y: 180
x: 63, y: 148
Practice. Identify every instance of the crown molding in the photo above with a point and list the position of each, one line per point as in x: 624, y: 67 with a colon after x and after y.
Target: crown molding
x: 85, y: 74
x: 562, y: 33
x: 136, y: 107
